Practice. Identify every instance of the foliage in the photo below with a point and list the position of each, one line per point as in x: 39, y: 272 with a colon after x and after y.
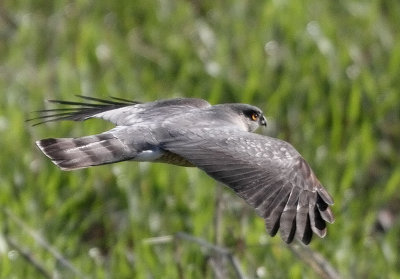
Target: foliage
x: 326, y: 73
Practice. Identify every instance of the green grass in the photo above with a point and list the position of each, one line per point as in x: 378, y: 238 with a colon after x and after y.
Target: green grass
x: 326, y: 73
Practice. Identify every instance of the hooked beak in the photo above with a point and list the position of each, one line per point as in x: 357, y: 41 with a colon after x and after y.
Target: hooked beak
x: 263, y: 121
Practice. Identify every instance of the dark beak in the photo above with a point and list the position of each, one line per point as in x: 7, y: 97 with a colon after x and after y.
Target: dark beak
x: 263, y: 121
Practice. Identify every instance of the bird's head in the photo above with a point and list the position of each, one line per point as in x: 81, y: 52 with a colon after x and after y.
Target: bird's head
x: 252, y: 117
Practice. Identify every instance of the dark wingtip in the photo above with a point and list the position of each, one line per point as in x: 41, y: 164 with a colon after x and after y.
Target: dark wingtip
x: 288, y: 236
x: 272, y: 229
x: 308, y: 233
x: 323, y: 194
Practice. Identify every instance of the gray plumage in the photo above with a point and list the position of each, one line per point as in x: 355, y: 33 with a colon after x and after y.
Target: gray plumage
x: 268, y: 173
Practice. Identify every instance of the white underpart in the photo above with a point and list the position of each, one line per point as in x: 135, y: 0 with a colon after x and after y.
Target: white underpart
x: 149, y: 155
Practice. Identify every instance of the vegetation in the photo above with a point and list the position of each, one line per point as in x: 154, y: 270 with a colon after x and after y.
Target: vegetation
x: 326, y: 73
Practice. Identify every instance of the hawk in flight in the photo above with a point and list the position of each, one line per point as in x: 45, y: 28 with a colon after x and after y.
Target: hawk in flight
x: 268, y: 173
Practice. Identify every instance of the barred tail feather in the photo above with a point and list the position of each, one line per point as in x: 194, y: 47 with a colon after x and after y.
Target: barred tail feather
x: 77, y: 153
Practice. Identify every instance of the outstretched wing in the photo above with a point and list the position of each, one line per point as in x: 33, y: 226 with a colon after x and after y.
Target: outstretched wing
x: 269, y: 174
x: 116, y: 110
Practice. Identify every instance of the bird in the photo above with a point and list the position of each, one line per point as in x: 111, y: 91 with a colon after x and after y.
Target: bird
x: 266, y: 172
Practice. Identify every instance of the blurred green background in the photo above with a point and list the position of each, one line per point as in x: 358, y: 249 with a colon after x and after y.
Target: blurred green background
x: 326, y: 74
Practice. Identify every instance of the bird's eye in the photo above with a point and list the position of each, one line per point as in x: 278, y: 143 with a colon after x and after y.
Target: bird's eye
x: 254, y: 116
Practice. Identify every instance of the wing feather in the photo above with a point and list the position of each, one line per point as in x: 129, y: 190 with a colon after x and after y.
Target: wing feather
x: 274, y: 210
x: 269, y: 174
x: 288, y: 218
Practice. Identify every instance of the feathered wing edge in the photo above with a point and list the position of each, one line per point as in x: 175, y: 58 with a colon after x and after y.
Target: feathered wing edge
x: 302, y: 206
x: 79, y: 111
x: 294, y: 202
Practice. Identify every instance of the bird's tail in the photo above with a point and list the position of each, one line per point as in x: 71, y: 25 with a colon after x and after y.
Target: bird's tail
x: 77, y: 153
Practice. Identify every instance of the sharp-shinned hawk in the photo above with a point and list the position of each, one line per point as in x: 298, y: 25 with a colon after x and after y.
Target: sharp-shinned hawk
x: 268, y: 173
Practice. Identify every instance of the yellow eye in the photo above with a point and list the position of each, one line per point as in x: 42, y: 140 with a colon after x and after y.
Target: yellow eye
x: 254, y: 116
